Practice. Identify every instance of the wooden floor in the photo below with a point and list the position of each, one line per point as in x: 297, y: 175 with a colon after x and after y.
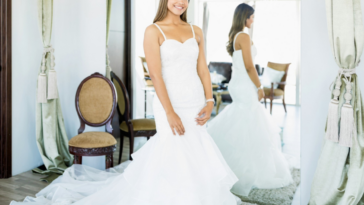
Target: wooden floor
x: 28, y: 183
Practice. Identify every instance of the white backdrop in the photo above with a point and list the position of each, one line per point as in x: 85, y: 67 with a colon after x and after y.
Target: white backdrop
x: 79, y: 32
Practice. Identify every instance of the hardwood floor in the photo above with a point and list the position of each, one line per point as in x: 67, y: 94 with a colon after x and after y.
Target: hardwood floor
x: 28, y: 183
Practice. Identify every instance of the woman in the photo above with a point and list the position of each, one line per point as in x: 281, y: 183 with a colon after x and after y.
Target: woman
x: 245, y: 133
x: 180, y: 165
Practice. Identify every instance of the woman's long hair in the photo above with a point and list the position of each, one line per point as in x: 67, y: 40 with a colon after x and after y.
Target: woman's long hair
x: 163, y: 10
x: 241, y: 14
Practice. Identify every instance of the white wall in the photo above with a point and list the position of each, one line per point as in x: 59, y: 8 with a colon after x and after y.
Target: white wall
x: 26, y: 51
x: 117, y: 38
x: 79, y: 41
x: 318, y: 71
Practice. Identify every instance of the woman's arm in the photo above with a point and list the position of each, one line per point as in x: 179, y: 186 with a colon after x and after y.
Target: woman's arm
x: 153, y: 58
x: 204, y: 74
x: 243, y: 41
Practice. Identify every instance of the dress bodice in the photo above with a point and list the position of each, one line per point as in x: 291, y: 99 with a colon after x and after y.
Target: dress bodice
x: 179, y: 71
x: 241, y: 88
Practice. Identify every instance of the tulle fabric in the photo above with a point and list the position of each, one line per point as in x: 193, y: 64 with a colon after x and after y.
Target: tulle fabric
x: 168, y: 169
x: 251, y: 147
x: 248, y: 137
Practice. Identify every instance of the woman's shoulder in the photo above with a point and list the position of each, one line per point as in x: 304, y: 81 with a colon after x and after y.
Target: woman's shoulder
x: 196, y: 28
x: 151, y: 29
x: 243, y: 37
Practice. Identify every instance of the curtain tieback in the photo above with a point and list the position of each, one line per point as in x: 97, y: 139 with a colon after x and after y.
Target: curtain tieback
x: 347, y: 72
x: 347, y: 114
x: 52, y: 77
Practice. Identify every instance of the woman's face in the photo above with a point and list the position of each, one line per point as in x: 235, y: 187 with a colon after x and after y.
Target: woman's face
x: 177, y: 7
x: 250, y: 21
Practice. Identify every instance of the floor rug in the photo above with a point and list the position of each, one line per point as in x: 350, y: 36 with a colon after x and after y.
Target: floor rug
x: 280, y: 196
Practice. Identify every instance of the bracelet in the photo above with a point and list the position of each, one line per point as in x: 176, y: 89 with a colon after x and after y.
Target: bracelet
x: 260, y: 87
x: 211, y: 100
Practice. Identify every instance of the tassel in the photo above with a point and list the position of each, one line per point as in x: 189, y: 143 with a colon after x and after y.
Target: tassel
x: 42, y: 86
x: 52, y: 84
x: 347, y: 118
x: 332, y: 131
x: 346, y: 125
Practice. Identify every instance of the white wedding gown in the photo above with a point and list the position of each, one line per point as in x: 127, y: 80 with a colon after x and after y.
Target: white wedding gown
x: 169, y: 169
x: 247, y: 136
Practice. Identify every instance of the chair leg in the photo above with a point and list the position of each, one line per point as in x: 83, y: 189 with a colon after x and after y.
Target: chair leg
x: 131, y: 140
x: 218, y: 103
x: 121, y: 148
x: 77, y: 159
x: 109, y: 161
x: 284, y: 105
x: 271, y: 105
x: 265, y: 103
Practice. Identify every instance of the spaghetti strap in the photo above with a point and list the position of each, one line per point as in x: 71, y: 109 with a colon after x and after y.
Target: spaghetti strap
x: 235, y: 38
x: 165, y: 38
x: 193, y: 31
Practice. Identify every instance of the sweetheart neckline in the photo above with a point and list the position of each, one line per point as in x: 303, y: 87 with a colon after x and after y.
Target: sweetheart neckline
x: 177, y: 41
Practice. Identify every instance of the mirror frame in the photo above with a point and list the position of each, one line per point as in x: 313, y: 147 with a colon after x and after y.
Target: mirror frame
x: 5, y: 90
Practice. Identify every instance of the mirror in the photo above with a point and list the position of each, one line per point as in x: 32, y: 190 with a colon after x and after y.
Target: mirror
x: 252, y: 145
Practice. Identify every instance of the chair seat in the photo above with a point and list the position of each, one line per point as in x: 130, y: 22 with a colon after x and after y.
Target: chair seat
x: 276, y: 92
x: 139, y: 124
x: 92, y: 140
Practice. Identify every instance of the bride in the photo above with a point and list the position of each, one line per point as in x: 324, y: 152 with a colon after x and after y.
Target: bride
x: 180, y: 165
x: 245, y: 133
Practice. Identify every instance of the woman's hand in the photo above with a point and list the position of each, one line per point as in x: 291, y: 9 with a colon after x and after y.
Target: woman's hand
x: 206, y: 112
x: 175, y: 123
x: 260, y: 94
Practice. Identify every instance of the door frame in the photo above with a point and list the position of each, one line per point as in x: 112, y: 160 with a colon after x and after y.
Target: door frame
x: 127, y: 52
x: 5, y: 90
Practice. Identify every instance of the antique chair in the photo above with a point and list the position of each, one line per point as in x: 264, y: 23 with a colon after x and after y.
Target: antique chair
x: 271, y: 93
x: 95, y: 106
x: 130, y: 128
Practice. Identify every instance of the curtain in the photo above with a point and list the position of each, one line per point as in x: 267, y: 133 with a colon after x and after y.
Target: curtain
x: 205, y: 24
x: 108, y: 15
x: 51, y: 135
x: 339, y: 177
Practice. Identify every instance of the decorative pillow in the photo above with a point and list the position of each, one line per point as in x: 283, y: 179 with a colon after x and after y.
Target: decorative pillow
x: 271, y: 76
x: 217, y: 78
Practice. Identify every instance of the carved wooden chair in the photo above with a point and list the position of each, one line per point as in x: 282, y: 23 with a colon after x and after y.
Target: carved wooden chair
x: 271, y: 93
x: 130, y: 128
x: 95, y: 105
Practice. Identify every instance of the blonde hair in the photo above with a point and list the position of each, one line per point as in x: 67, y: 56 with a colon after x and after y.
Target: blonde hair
x: 163, y: 10
x: 241, y: 14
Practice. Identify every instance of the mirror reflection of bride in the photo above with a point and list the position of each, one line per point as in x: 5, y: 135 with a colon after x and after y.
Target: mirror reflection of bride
x: 244, y: 132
